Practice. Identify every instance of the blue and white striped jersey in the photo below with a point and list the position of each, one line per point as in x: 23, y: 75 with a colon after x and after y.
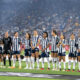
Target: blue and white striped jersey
x: 35, y: 40
x: 72, y: 44
x: 54, y: 42
x: 44, y: 43
x: 78, y: 42
x: 16, y: 44
x: 61, y: 49
x: 27, y: 43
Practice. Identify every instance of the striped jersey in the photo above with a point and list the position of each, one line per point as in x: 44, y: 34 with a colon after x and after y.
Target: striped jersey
x: 44, y: 43
x: 78, y: 43
x: 61, y: 49
x: 72, y: 44
x: 16, y: 44
x: 54, y: 42
x: 35, y: 40
x: 27, y: 44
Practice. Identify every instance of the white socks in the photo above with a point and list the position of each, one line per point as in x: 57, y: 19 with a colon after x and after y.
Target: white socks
x: 30, y: 61
x: 48, y: 62
x: 53, y: 63
x: 37, y: 59
x: 79, y: 65
x: 42, y: 62
x: 74, y: 64
x: 19, y: 62
x: 64, y: 65
x: 14, y: 61
x: 59, y: 65
x: 33, y: 61
x: 26, y: 62
x: 69, y: 65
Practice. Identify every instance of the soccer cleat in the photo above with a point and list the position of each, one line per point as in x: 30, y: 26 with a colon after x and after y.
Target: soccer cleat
x: 12, y: 67
x: 64, y: 69
x: 30, y: 68
x: 48, y: 68
x: 9, y: 67
x: 4, y: 67
x: 68, y: 70
x: 26, y: 68
x: 42, y: 69
x: 73, y: 70
x: 19, y: 67
x: 78, y: 71
x: 53, y: 69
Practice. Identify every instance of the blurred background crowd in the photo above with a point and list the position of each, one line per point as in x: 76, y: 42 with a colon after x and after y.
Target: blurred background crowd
x: 27, y: 15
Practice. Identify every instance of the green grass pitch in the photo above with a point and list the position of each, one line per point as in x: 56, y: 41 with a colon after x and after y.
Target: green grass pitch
x: 45, y: 71
x: 25, y: 78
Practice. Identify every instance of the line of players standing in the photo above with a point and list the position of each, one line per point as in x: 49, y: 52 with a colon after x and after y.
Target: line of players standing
x: 11, y: 47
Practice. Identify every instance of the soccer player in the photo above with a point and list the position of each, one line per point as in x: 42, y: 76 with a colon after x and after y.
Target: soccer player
x: 35, y: 48
x: 72, y: 52
x: 16, y: 49
x: 54, y: 49
x: 7, y: 42
x: 1, y: 55
x: 45, y: 44
x: 61, y: 51
x: 28, y: 50
x: 78, y: 50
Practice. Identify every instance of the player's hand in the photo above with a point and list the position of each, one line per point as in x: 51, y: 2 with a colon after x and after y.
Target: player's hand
x: 60, y: 42
x: 33, y: 47
x: 78, y: 50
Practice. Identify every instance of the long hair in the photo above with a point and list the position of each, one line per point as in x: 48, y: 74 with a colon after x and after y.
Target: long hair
x: 46, y: 33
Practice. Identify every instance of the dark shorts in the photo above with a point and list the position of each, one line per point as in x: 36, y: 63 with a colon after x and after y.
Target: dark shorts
x: 54, y: 51
x: 78, y: 54
x: 7, y: 51
x: 35, y: 50
x: 27, y: 52
x: 61, y: 54
x: 45, y: 54
x: 0, y: 50
x: 16, y: 52
x: 72, y: 55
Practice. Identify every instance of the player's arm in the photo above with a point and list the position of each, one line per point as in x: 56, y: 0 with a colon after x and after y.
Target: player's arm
x: 32, y: 45
x: 38, y: 43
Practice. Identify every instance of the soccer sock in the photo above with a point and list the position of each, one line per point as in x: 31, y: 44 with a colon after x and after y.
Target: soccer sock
x: 9, y: 61
x: 48, y: 62
x: 27, y: 62
x: 14, y: 61
x: 56, y: 62
x: 79, y: 65
x: 19, y: 62
x: 53, y: 62
x: 59, y: 65
x: 30, y: 61
x: 4, y: 59
x: 33, y: 61
x: 42, y: 62
x: 69, y: 65
x: 74, y: 64
x: 64, y: 65
x: 37, y: 62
